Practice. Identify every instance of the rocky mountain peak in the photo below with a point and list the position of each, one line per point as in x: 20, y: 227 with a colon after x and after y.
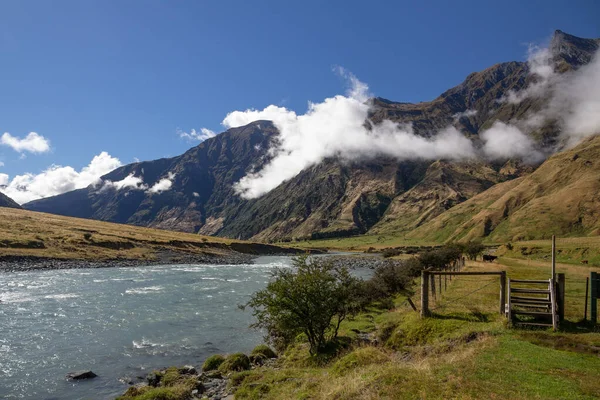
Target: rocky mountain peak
x: 573, y: 50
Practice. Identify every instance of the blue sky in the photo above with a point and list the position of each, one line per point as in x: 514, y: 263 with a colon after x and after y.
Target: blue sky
x: 123, y: 76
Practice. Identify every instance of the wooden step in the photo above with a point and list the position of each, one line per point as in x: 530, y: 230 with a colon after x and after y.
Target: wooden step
x: 527, y: 281
x: 531, y: 305
x: 533, y: 313
x: 524, y: 290
x: 519, y: 299
x: 532, y: 323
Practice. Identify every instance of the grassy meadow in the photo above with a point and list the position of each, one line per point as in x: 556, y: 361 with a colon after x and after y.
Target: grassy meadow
x: 465, y: 351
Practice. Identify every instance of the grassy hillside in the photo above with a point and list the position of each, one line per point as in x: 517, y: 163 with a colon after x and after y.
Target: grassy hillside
x: 560, y: 198
x: 28, y: 233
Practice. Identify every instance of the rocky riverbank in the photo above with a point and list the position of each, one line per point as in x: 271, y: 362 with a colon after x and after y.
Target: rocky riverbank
x: 13, y: 263
x: 187, y: 382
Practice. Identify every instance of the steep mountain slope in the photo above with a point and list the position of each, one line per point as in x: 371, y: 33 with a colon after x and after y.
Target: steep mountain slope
x: 561, y: 197
x: 6, y: 201
x: 334, y: 198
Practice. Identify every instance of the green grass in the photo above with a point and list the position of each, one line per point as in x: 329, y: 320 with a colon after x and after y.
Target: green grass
x: 360, y: 243
x: 466, y: 351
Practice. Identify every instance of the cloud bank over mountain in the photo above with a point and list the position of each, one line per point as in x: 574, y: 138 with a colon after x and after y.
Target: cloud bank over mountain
x: 339, y: 127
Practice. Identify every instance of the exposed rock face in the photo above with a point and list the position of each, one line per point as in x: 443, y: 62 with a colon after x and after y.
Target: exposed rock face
x: 333, y: 198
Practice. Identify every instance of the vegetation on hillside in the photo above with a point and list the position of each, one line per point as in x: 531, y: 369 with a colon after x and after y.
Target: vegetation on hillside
x: 28, y: 233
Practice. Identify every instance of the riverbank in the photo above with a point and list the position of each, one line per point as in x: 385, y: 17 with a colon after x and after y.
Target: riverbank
x: 31, y: 263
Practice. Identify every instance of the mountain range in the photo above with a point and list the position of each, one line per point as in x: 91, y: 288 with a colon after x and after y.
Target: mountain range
x: 439, y: 199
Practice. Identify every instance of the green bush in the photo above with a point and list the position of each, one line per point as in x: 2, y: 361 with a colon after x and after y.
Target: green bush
x: 235, y: 363
x: 313, y: 298
x: 263, y: 350
x: 212, y: 363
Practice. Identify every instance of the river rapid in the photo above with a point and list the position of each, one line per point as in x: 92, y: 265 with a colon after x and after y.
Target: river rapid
x: 120, y: 323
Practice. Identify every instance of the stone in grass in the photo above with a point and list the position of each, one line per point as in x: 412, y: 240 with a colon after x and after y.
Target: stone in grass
x: 78, y: 375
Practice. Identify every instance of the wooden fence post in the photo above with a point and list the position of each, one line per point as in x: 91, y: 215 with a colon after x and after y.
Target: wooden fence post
x: 593, y: 297
x: 432, y: 281
x: 587, y: 290
x: 560, y: 289
x: 424, y: 293
x: 503, y: 293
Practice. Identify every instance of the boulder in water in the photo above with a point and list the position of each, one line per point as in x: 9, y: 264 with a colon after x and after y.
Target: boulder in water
x: 81, y: 375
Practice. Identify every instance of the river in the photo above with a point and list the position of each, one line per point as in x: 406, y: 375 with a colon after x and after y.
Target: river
x: 121, y: 323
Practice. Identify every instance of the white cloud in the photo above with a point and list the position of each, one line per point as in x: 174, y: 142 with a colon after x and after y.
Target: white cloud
x: 162, y: 185
x: 3, y: 179
x: 541, y: 66
x: 464, y: 114
x: 336, y: 127
x: 194, y: 135
x: 503, y: 141
x: 129, y: 182
x: 33, y: 143
x: 576, y: 99
x: 279, y: 115
x: 57, y: 179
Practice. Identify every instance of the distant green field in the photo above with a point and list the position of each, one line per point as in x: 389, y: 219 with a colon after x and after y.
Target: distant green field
x: 361, y: 243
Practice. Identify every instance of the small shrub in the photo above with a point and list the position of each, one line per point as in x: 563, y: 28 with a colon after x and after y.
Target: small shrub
x: 261, y: 353
x: 213, y: 363
x: 170, y: 377
x: 264, y: 350
x: 87, y: 236
x: 359, y: 358
x: 391, y: 252
x: 235, y: 363
x: 312, y: 298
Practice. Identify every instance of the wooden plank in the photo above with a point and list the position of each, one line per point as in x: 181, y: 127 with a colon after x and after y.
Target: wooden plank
x: 587, y: 287
x: 560, y: 292
x: 503, y: 293
x: 529, y: 305
x: 553, y: 299
x: 508, y: 304
x: 553, y: 258
x: 525, y: 290
x: 533, y: 313
x: 529, y: 281
x: 466, y: 273
x: 594, y: 297
x: 532, y: 323
x: 424, y: 294
x: 530, y: 299
x: 411, y: 303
